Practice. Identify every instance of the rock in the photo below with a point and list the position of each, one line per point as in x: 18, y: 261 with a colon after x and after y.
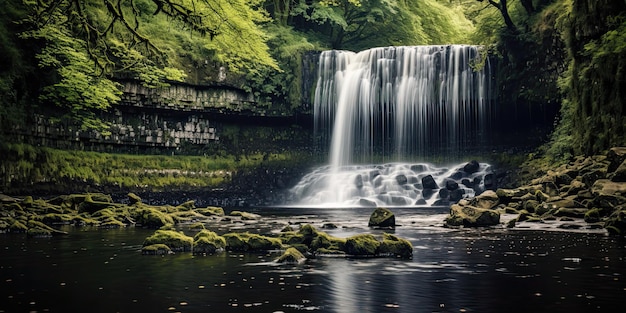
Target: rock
x: 428, y: 182
x: 291, y: 256
x: 486, y: 200
x: 418, y: 168
x: 444, y: 193
x: 358, y: 181
x: 367, y: 203
x: 245, y: 215
x: 393, y: 245
x: 401, y: 179
x: 615, y: 157
x: 420, y: 202
x: 156, y: 249
x: 208, y: 242
x: 382, y: 217
x: 467, y: 183
x: 133, y: 198
x: 451, y: 185
x: 571, y: 212
x: 470, y: 216
x: 456, y: 195
x: 175, y: 240
x: 490, y: 181
x: 471, y: 167
x: 362, y: 245
x: 619, y: 175
x: 607, y: 187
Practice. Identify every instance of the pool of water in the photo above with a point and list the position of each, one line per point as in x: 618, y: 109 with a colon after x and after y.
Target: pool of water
x: 531, y: 269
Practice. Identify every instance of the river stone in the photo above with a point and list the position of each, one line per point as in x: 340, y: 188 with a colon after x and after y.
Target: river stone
x: 382, y: 217
x: 619, y: 175
x: 471, y: 216
x: 428, y: 182
x: 451, y: 185
x: 456, y: 195
x: 367, y: 203
x: 471, y: 167
x: 616, y: 156
x: 607, y: 187
x: 401, y: 179
x: 486, y: 200
x: 358, y: 181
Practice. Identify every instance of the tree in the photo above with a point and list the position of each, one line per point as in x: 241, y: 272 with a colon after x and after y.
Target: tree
x: 84, y: 44
x: 504, y: 11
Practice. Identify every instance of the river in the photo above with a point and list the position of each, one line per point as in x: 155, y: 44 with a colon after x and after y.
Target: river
x: 533, y: 269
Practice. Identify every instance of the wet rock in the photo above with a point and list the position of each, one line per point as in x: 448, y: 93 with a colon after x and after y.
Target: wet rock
x: 367, y: 203
x: 358, y: 181
x: 451, y: 185
x: 362, y: 245
x: 245, y: 215
x: 401, y: 179
x: 471, y: 167
x: 418, y: 168
x: 470, y: 216
x: 382, y: 217
x: 291, y: 256
x: 487, y: 200
x: 490, y: 181
x: 619, y: 175
x: 156, y: 249
x: 175, y: 240
x: 615, y: 157
x: 456, y: 195
x: 393, y: 245
x: 208, y: 242
x: 428, y: 182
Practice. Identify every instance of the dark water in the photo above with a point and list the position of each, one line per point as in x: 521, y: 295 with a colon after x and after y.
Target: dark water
x: 497, y: 270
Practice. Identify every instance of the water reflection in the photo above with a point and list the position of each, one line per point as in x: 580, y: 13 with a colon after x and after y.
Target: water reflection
x: 495, y: 270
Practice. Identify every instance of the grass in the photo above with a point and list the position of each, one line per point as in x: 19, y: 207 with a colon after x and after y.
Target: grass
x: 25, y: 165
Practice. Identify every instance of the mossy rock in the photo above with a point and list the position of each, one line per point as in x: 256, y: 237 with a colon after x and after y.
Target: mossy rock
x: 177, y: 241
x: 156, y: 249
x: 18, y: 227
x: 259, y: 242
x: 382, y: 217
x: 245, y: 215
x: 111, y: 222
x: 287, y: 228
x: 292, y: 238
x: 133, y: 198
x: 151, y: 217
x: 292, y: 256
x: 38, y: 232
x: 185, y: 216
x: 189, y: 205
x: 615, y: 223
x: 55, y: 218
x: 592, y: 216
x: 393, y: 245
x: 90, y: 206
x: 208, y: 242
x: 470, y: 216
x: 38, y: 226
x: 211, y: 211
x: 362, y: 245
x: 236, y: 242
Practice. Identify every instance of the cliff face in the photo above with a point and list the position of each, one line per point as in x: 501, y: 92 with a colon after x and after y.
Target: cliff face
x: 153, y: 118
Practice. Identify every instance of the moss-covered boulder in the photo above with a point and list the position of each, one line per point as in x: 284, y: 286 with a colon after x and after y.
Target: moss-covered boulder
x: 393, y: 245
x: 382, y: 217
x: 470, y: 216
x: 151, y: 217
x: 175, y: 240
x: 291, y: 255
x: 90, y: 205
x: 208, y: 242
x: 248, y: 241
x: 156, y: 249
x: 133, y: 198
x: 362, y: 245
x: 211, y: 211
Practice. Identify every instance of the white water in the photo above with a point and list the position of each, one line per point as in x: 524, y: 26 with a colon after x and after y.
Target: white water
x: 398, y: 104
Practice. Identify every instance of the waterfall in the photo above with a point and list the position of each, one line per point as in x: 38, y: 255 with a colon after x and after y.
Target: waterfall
x: 396, y: 104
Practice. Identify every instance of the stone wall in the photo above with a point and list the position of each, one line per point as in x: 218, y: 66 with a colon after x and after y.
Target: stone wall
x: 161, y: 118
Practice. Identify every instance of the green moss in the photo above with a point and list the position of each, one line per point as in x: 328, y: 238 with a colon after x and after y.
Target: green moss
x: 592, y: 216
x: 248, y: 241
x: 151, y: 217
x: 394, y: 245
x: 133, y: 198
x: 177, y: 241
x: 291, y: 255
x: 18, y: 227
x: 362, y: 245
x: 156, y: 249
x: 208, y: 242
x: 211, y: 211
x: 382, y: 217
x: 236, y: 241
x: 189, y: 205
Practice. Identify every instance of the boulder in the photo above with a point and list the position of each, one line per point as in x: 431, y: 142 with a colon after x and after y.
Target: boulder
x: 428, y: 182
x: 382, y: 217
x: 208, y: 242
x: 470, y: 216
x: 392, y: 245
x: 615, y: 157
x: 367, y: 203
x: 486, y: 200
x: 291, y: 256
x: 471, y: 167
x: 401, y: 179
x: 607, y: 187
x: 176, y: 241
x: 362, y: 245
x: 451, y: 185
x: 358, y: 181
x: 619, y: 175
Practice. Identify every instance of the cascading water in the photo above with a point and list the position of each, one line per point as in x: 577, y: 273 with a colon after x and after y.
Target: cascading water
x: 396, y: 104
